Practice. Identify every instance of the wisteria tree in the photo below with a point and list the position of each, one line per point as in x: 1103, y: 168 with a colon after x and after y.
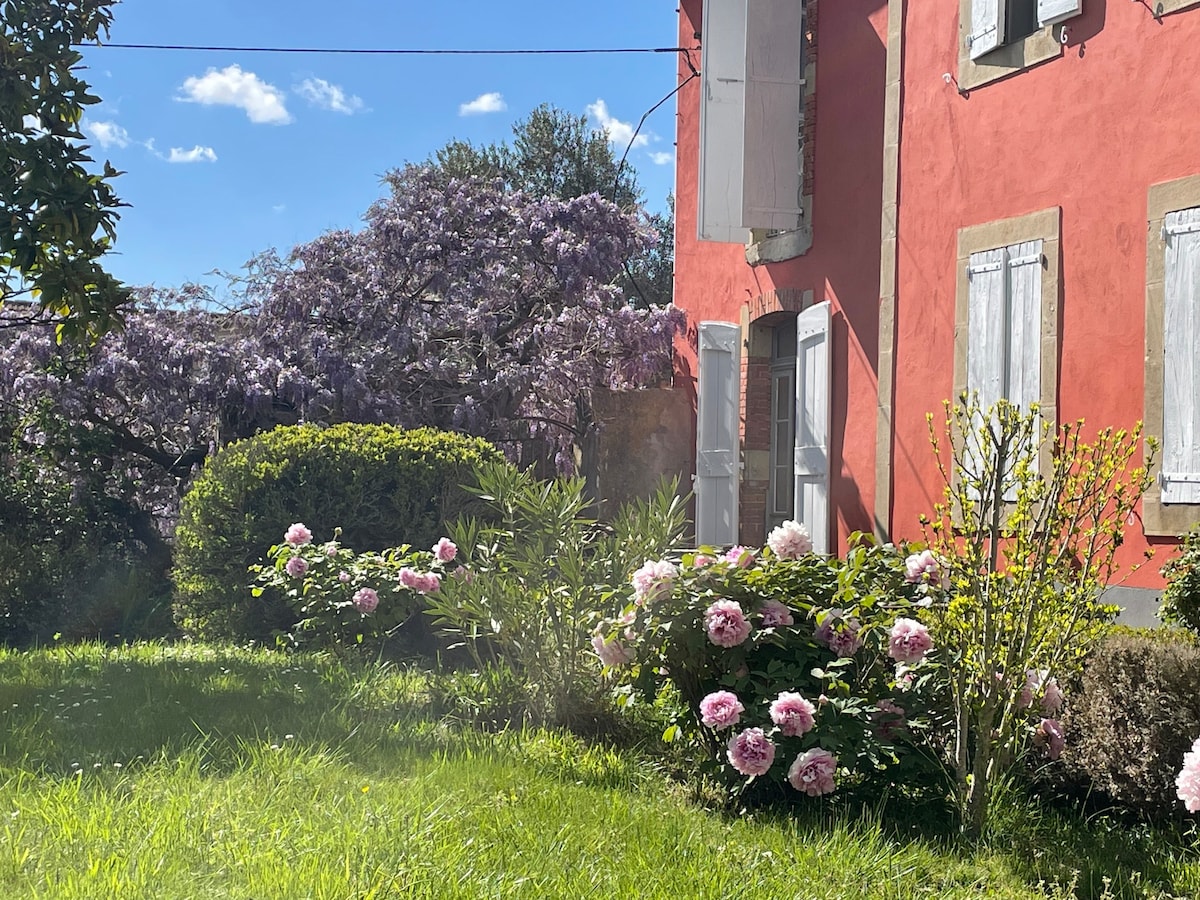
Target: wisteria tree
x: 459, y: 304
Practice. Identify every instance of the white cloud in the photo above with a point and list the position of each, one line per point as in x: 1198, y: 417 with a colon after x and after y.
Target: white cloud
x: 660, y: 158
x: 491, y: 102
x: 262, y: 101
x: 106, y: 134
x: 322, y: 94
x: 619, y: 133
x: 196, y: 154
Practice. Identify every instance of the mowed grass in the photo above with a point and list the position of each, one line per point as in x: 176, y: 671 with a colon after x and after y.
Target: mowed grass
x: 193, y: 772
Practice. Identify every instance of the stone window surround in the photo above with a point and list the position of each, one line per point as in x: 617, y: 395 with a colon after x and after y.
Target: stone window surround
x: 1043, y: 44
x: 1161, y: 519
x: 1045, y: 224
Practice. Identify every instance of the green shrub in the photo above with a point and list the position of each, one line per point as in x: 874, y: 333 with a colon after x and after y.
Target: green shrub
x: 1136, y: 715
x: 1181, y: 599
x: 381, y: 485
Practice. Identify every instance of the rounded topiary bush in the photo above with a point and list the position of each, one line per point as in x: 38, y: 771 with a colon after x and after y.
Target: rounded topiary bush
x: 1136, y: 715
x: 383, y: 486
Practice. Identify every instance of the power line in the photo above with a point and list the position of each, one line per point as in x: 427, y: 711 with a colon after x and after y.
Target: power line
x: 411, y: 51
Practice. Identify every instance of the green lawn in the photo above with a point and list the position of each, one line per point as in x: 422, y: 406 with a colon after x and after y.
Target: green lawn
x: 194, y: 772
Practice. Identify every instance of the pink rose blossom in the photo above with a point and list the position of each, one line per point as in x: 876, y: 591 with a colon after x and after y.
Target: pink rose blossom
x: 813, y: 771
x: 790, y: 540
x: 721, y: 709
x: 365, y: 600
x: 297, y: 535
x: 726, y: 624
x: 296, y: 567
x: 889, y: 719
x: 445, y: 550
x: 909, y: 641
x: 611, y: 651
x: 1187, y: 783
x: 839, y: 633
x: 775, y: 614
x: 1049, y: 736
x: 924, y: 568
x: 653, y: 580
x: 751, y: 752
x: 344, y: 577
x: 742, y: 557
x: 793, y: 714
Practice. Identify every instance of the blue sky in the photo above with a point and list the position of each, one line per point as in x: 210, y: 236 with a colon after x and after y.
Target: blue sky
x: 227, y: 154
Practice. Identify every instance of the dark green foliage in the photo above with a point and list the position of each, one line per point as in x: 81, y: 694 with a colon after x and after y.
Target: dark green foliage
x: 1181, y: 599
x: 381, y: 485
x: 1138, y: 712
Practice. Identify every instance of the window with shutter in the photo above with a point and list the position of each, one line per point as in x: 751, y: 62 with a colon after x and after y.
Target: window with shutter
x: 1000, y: 37
x: 1180, y: 476
x: 814, y: 379
x: 717, y: 414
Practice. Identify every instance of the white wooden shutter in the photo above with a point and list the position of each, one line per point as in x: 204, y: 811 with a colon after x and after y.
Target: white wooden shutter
x: 814, y: 375
x: 717, y: 409
x: 1051, y: 12
x: 987, y: 336
x: 1181, y: 363
x: 722, y: 117
x: 987, y: 26
x: 1023, y: 385
x: 773, y: 97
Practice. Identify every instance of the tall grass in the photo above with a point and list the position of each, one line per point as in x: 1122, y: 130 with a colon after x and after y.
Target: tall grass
x: 192, y: 772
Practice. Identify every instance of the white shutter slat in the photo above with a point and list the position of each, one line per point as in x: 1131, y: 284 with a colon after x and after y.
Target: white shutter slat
x: 1024, y: 387
x: 987, y: 27
x: 1181, y: 362
x: 773, y: 98
x: 717, y: 412
x: 987, y: 336
x: 814, y: 375
x: 722, y: 116
x: 1051, y: 12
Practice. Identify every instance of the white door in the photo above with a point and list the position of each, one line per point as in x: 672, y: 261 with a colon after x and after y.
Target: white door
x: 717, y: 409
x: 814, y: 375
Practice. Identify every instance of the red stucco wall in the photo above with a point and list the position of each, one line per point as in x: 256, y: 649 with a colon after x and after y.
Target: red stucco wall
x: 1089, y: 132
x: 713, y: 280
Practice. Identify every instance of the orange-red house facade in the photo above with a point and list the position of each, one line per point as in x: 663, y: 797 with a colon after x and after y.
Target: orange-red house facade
x: 881, y: 203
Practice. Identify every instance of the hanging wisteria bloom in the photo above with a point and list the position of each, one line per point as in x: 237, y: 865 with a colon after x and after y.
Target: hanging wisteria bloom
x: 909, y: 641
x: 653, y: 580
x: 790, y: 540
x: 925, y: 568
x: 365, y: 600
x: 751, y: 752
x: 813, y: 771
x: 775, y: 614
x: 296, y: 567
x: 297, y: 535
x: 726, y: 624
x: 793, y: 714
x: 1049, y: 736
x: 1187, y: 783
x: 721, y: 709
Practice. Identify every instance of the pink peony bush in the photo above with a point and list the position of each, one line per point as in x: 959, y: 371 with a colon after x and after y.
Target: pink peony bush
x: 1187, y: 784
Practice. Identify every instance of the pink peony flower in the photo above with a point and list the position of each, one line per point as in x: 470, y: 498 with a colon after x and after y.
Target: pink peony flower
x: 721, y: 709
x: 428, y: 583
x: 365, y: 600
x: 924, y: 568
x: 331, y: 549
x: 726, y: 624
x: 751, y: 752
x: 909, y: 641
x: 813, y: 771
x: 701, y: 560
x: 790, y: 540
x: 1049, y: 736
x: 1052, y: 698
x: 445, y: 550
x: 904, y: 678
x: 297, y: 535
x: 610, y: 650
x: 1038, y: 680
x: 889, y: 719
x: 462, y: 573
x: 344, y: 577
x: 296, y: 567
x: 653, y: 580
x: 793, y: 714
x: 409, y: 578
x: 742, y: 557
x: 775, y: 614
x: 1187, y: 783
x: 839, y: 633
